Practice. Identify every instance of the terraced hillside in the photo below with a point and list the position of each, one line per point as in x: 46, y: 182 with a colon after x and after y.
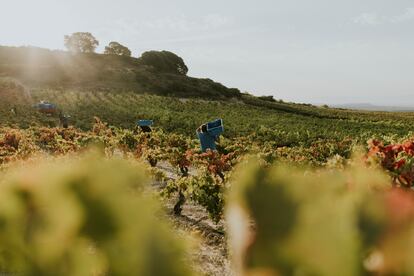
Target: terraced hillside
x: 288, y: 123
x: 121, y: 89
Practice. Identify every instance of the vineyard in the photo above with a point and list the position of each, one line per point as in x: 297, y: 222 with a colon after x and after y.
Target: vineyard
x: 109, y: 200
x: 292, y: 189
x: 120, y: 156
x: 285, y: 123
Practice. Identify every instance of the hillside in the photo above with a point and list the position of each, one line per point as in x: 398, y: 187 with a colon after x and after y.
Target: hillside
x: 286, y: 123
x: 42, y: 68
x: 307, y: 168
x: 371, y: 107
x: 121, y: 90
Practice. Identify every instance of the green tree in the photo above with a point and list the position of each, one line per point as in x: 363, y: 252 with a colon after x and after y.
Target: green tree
x: 115, y: 48
x: 81, y: 42
x: 164, y: 61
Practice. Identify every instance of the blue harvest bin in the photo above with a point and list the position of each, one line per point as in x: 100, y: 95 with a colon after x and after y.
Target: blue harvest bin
x: 207, y: 141
x: 46, y: 107
x: 209, y: 137
x: 215, y: 128
x: 143, y: 123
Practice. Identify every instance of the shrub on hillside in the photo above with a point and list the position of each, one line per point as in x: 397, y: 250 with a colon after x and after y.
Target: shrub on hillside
x: 115, y: 48
x: 164, y: 61
x: 267, y: 98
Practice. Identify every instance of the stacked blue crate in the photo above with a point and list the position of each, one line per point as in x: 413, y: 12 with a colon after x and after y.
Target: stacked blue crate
x: 46, y: 107
x: 143, y: 123
x: 209, y: 133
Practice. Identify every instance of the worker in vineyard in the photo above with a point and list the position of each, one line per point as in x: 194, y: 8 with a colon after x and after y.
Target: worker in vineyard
x: 13, y: 110
x: 209, y: 134
x: 146, y: 129
x: 64, y: 120
x: 203, y: 129
x: 145, y: 125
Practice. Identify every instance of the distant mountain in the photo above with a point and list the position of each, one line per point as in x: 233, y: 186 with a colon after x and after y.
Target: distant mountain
x: 371, y: 107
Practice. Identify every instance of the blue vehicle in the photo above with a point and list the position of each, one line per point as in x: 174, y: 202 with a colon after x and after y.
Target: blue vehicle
x: 47, y: 108
x: 51, y: 110
x: 145, y: 125
x: 209, y: 133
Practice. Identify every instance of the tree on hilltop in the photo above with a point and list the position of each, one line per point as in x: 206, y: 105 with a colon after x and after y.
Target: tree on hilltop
x: 81, y: 42
x: 115, y: 48
x: 164, y: 61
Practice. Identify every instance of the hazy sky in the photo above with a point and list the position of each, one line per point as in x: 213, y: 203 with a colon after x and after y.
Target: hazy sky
x: 320, y: 51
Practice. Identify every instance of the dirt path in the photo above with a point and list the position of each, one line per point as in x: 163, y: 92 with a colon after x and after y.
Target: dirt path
x: 208, y: 254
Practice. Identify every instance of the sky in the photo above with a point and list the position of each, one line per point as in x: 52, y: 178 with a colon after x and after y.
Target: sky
x: 319, y: 51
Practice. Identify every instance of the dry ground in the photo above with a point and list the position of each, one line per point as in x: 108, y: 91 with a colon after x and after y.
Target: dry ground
x: 208, y: 251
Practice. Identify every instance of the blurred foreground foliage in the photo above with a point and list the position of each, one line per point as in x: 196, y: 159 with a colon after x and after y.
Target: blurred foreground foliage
x: 64, y: 213
x: 286, y: 221
x: 83, y: 215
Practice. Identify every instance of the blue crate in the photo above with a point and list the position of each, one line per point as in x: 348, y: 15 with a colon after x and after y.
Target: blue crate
x: 207, y: 141
x: 45, y: 105
x: 46, y: 108
x: 215, y: 128
x: 142, y: 123
x: 209, y: 137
